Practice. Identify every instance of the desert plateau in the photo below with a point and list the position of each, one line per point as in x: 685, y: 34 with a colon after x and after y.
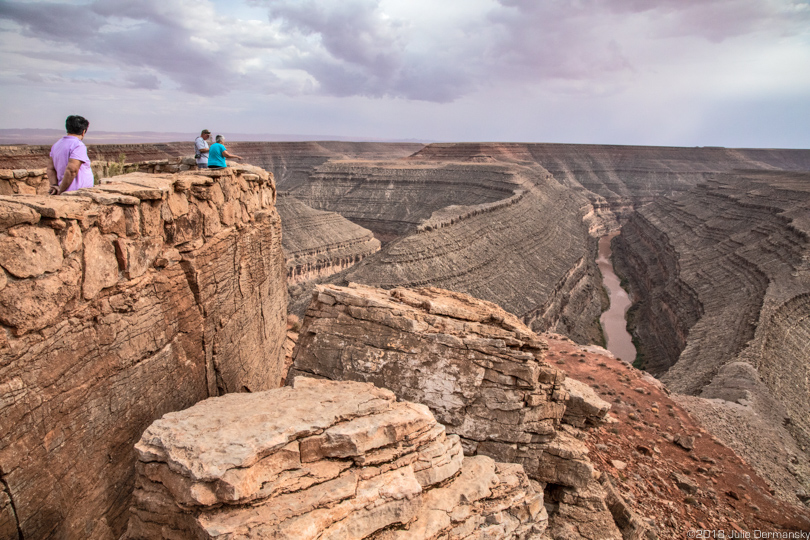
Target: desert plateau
x: 397, y: 340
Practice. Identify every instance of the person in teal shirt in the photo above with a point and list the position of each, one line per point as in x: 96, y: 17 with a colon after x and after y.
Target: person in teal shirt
x: 217, y: 154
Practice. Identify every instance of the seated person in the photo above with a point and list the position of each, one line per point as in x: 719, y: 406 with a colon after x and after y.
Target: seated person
x: 217, y: 154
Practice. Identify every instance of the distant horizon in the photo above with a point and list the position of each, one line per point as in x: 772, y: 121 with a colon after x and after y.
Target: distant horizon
x: 48, y: 136
x: 729, y: 73
x: 45, y: 136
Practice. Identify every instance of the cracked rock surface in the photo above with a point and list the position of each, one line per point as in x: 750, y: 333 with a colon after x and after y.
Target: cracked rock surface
x: 119, y: 303
x: 479, y: 370
x: 322, y: 459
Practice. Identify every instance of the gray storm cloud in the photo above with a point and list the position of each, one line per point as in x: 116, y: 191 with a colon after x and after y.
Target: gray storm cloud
x: 356, y: 48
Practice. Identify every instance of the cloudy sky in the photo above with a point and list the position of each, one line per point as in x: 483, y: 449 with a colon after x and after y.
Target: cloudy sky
x: 658, y: 72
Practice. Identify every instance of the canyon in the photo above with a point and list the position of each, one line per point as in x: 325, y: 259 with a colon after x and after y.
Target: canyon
x: 712, y: 246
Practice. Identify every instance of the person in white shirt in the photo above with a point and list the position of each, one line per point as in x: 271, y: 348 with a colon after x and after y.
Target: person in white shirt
x: 201, y: 149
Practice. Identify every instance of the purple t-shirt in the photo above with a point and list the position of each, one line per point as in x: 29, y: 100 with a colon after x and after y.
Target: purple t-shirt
x: 72, y: 148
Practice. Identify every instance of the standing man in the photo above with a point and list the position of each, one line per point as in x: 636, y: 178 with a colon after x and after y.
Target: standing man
x: 201, y: 149
x: 69, y: 168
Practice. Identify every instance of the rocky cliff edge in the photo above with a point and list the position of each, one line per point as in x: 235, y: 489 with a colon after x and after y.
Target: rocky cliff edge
x: 120, y: 303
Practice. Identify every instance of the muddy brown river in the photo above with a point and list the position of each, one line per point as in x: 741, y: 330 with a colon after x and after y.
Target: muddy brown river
x: 613, y: 320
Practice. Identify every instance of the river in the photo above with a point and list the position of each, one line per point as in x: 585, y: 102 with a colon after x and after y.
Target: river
x: 613, y: 320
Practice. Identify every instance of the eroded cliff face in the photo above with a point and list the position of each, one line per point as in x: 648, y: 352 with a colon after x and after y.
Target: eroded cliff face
x: 318, y: 244
x: 503, y: 232
x: 645, y: 469
x: 118, y: 304
x: 394, y: 198
x: 726, y: 266
x: 624, y: 177
x: 480, y: 371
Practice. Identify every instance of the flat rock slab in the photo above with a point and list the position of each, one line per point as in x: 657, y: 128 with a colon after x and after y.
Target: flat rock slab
x: 75, y: 207
x: 321, y: 459
x: 12, y: 214
x: 235, y: 430
x: 30, y: 251
x: 583, y: 405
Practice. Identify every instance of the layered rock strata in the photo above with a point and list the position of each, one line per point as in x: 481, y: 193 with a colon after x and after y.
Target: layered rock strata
x: 618, y: 179
x: 322, y: 459
x: 393, y: 198
x: 318, y: 244
x: 293, y: 162
x: 477, y: 367
x: 737, y: 247
x: 120, y: 303
x: 501, y: 232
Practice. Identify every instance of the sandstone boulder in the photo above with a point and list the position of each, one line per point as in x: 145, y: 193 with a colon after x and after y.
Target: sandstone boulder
x: 321, y: 459
x: 583, y: 406
x: 581, y: 514
x: 12, y: 214
x: 33, y: 304
x: 480, y: 370
x: 100, y: 263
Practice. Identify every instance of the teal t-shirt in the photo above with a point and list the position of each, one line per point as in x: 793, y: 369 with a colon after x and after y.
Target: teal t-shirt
x: 215, y: 157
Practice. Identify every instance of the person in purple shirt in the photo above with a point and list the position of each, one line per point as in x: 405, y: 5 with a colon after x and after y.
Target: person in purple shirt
x: 69, y: 168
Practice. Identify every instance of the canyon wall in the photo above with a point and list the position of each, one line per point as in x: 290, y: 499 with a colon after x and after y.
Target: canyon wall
x: 723, y: 277
x: 393, y: 198
x: 120, y: 303
x: 145, y: 295
x: 318, y: 244
x: 503, y: 232
x: 624, y: 176
x: 484, y: 218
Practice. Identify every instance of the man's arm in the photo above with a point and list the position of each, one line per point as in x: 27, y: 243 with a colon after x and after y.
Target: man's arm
x: 227, y: 154
x: 70, y: 174
x: 53, y: 182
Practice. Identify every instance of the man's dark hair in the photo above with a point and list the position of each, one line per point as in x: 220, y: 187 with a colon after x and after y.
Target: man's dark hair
x: 76, y: 125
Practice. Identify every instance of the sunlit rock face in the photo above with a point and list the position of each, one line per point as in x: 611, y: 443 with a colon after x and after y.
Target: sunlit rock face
x: 479, y: 370
x: 120, y: 303
x: 322, y: 459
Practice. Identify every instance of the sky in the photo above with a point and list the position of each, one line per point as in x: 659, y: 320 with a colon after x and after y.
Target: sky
x: 730, y: 73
